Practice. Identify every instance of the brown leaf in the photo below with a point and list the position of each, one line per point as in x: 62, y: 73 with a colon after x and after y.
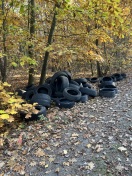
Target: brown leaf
x: 28, y: 116
x: 39, y: 152
x: 33, y: 163
x: 19, y: 141
x: 75, y: 135
x: 66, y: 164
x: 19, y: 168
x: 57, y: 170
x: 51, y: 159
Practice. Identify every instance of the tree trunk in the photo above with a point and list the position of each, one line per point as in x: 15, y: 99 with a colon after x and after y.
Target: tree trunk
x: 99, y: 73
x: 91, y: 66
x: 46, y: 56
x: 3, y: 60
x: 30, y: 48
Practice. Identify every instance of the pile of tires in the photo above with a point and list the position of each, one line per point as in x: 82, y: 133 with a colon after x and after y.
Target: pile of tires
x: 64, y: 91
x: 107, y: 86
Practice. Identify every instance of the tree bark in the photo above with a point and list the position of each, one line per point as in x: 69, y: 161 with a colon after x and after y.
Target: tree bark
x: 30, y: 48
x: 99, y: 73
x: 3, y: 60
x: 46, y: 56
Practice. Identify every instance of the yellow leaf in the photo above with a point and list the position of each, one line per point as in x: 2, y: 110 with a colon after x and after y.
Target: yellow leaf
x: 2, y: 112
x: 1, y: 88
x: 12, y: 111
x: 6, y: 84
x: 4, y: 116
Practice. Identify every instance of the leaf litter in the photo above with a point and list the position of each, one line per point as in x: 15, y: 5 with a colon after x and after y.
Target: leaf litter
x: 93, y: 139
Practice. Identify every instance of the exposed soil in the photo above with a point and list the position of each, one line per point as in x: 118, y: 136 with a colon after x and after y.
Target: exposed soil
x: 91, y: 139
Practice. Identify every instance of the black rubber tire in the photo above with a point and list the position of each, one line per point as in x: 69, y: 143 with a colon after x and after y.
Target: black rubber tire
x: 41, y: 99
x: 87, y: 91
x: 105, y: 92
x: 83, y: 99
x: 123, y: 75
x: 28, y: 95
x: 113, y: 78
x: 74, y: 86
x: 45, y: 89
x: 88, y: 79
x: 94, y: 80
x: 31, y: 87
x: 117, y: 76
x: 81, y: 80
x: 106, y: 80
x: 68, y: 74
x: 64, y: 103
x: 62, y: 82
x: 58, y: 94
x: 72, y: 94
x: 74, y: 82
x: 111, y: 87
x: 42, y: 111
x: 48, y: 80
x: 20, y: 92
x: 87, y: 85
x: 56, y: 75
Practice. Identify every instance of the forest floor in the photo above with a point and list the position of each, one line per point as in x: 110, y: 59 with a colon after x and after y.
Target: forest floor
x: 91, y: 139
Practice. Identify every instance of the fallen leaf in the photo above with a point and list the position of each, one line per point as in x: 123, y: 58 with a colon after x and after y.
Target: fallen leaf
x: 98, y: 148
x: 122, y: 149
x: 1, y: 164
x: 46, y: 166
x: 39, y: 152
x: 33, y: 163
x: 51, y: 159
x: 19, y: 168
x: 75, y: 135
x: 89, y: 145
x: 1, y: 142
x: 57, y: 170
x: 65, y: 152
x: 28, y: 115
x: 90, y: 166
x: 66, y: 164
x: 19, y: 141
x: 42, y: 163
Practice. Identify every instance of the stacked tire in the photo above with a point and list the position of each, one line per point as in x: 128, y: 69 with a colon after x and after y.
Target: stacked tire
x: 65, y: 91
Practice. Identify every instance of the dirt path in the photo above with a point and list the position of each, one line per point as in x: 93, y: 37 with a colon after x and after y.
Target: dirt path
x: 92, y: 139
